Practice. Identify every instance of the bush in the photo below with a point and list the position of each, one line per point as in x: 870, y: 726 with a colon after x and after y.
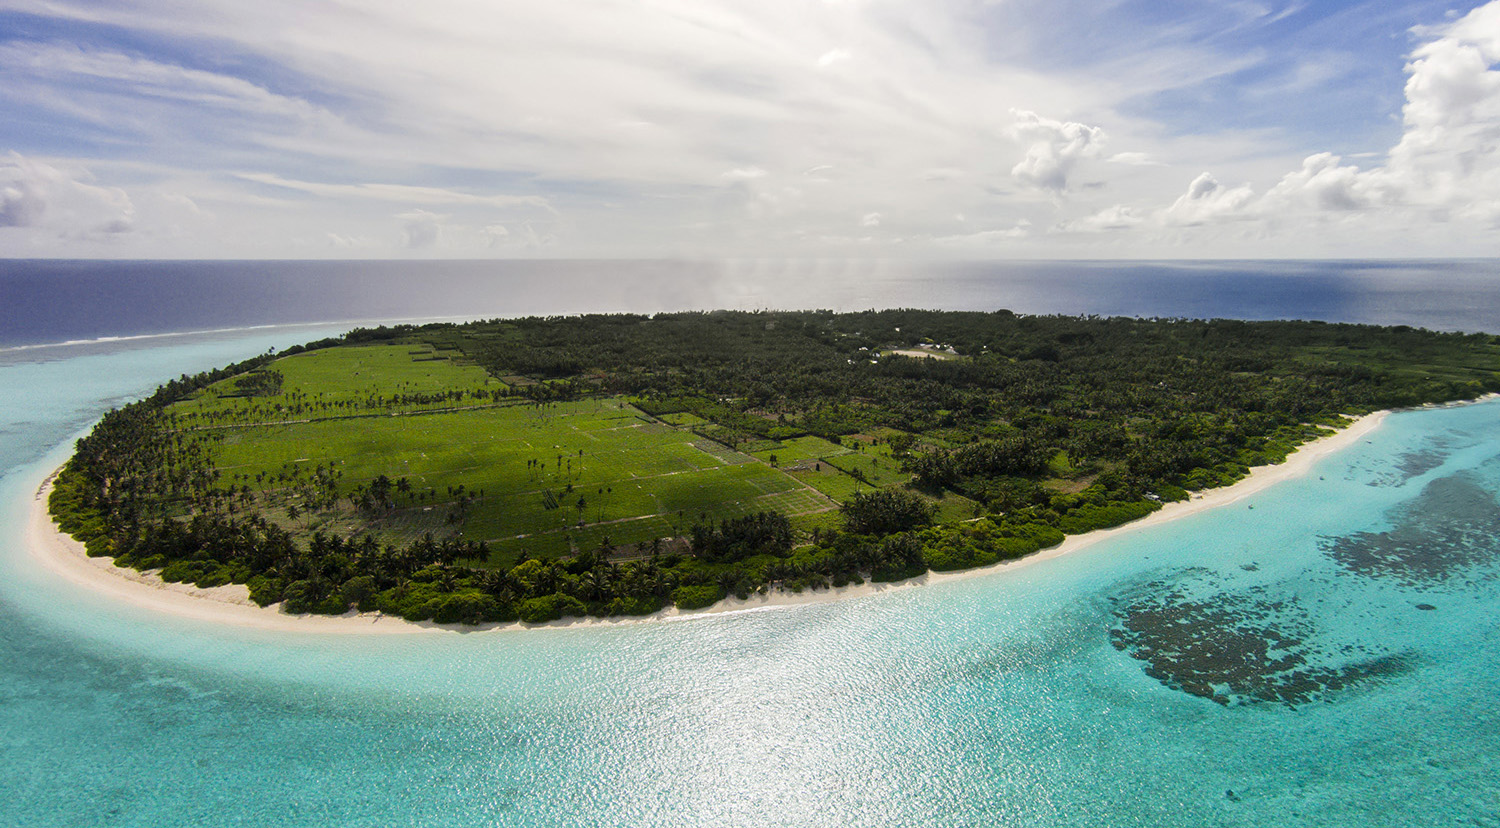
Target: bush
x: 332, y: 605
x: 360, y: 591
x: 264, y: 590
x: 896, y: 572
x: 1089, y: 517
x: 549, y: 608
x: 956, y: 555
x: 1171, y: 494
x: 696, y: 597
x: 300, y: 597
x: 633, y: 605
x: 222, y: 574
x: 468, y: 607
x: 182, y: 572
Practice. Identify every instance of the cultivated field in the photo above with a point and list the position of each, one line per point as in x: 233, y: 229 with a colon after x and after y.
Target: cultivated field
x: 464, y: 456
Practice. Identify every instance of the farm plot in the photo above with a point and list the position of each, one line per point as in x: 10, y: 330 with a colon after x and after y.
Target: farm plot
x: 800, y: 449
x: 873, y: 470
x: 544, y: 477
x: 342, y: 382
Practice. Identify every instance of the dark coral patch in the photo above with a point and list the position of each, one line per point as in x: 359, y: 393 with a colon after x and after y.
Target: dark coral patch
x: 1239, y: 648
x: 1449, y: 529
x: 1411, y: 464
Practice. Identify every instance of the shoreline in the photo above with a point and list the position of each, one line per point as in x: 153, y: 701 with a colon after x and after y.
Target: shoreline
x: 230, y: 605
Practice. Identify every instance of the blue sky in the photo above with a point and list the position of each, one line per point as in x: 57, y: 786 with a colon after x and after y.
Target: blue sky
x: 705, y: 128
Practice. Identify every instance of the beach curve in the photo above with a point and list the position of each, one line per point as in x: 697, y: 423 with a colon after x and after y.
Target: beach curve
x: 230, y: 605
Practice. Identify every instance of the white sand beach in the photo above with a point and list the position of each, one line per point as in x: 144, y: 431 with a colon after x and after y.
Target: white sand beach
x: 231, y: 605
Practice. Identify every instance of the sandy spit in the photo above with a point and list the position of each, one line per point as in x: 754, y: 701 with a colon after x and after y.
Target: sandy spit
x: 230, y: 605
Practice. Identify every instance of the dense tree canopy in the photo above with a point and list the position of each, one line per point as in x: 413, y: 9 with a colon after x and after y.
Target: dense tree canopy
x: 1033, y: 426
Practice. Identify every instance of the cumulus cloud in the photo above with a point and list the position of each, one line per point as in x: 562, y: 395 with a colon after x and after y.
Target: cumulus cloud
x: 519, y: 236
x: 498, y: 234
x: 58, y: 202
x: 745, y: 174
x: 1324, y: 183
x: 421, y: 229
x: 1449, y: 153
x: 987, y: 238
x: 1444, y: 169
x: 1206, y: 201
x: 1053, y: 149
x: 870, y: 220
x: 1135, y: 159
x: 636, y: 120
x: 1117, y: 217
x: 21, y: 204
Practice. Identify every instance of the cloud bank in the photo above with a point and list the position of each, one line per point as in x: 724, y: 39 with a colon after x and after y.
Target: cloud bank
x: 712, y: 128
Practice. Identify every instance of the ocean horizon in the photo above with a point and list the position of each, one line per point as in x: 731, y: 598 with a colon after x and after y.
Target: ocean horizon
x: 65, y: 301
x: 1050, y: 694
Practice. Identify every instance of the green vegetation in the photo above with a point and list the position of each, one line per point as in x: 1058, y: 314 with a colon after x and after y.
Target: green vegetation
x: 536, y: 469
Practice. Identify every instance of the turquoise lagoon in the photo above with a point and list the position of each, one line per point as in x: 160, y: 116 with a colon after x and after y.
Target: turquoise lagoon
x: 1323, y: 653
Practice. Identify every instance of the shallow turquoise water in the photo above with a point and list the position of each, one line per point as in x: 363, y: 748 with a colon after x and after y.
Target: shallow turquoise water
x: 996, y: 700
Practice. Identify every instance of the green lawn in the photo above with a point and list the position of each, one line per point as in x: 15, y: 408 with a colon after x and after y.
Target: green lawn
x: 339, y: 382
x: 878, y: 471
x: 799, y: 449
x: 546, y: 478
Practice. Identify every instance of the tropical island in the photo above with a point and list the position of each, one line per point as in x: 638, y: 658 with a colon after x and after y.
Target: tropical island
x: 615, y: 465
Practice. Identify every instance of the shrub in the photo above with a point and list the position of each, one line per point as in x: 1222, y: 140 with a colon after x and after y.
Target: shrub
x: 265, y: 590
x: 181, y: 572
x: 1089, y: 517
x: 696, y: 597
x: 549, y: 608
x: 468, y: 607
x: 633, y: 605
x: 360, y: 591
x: 300, y: 597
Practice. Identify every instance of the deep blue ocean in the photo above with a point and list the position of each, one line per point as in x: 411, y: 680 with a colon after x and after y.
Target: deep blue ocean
x: 1349, y: 619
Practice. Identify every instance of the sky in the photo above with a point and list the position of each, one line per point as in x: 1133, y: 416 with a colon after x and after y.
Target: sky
x: 972, y: 129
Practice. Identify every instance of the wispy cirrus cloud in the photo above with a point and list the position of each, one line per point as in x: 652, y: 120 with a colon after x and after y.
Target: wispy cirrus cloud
x: 404, y: 193
x: 707, y: 127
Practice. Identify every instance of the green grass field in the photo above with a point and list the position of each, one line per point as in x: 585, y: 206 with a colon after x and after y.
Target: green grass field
x: 800, y: 449
x: 547, y: 478
x: 877, y: 471
x: 347, y: 381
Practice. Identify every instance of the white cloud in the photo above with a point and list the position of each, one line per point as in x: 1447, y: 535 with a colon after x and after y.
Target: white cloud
x: 497, y: 233
x: 834, y: 56
x: 55, y: 202
x: 144, y: 78
x: 870, y: 220
x: 1445, y: 168
x: 421, y: 229
x: 1116, y: 217
x: 612, y: 124
x: 1323, y: 184
x: 1449, y: 153
x: 743, y: 174
x: 1135, y: 159
x: 1206, y: 201
x: 1053, y: 148
x: 397, y: 192
x: 987, y: 238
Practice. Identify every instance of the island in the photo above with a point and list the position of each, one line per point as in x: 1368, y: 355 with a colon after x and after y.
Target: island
x: 617, y: 465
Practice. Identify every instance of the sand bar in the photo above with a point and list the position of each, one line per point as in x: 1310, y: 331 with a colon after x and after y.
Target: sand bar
x: 230, y: 605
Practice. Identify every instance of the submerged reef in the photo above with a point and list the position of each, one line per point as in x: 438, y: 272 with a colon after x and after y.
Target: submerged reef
x: 1445, y: 534
x: 1239, y: 648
